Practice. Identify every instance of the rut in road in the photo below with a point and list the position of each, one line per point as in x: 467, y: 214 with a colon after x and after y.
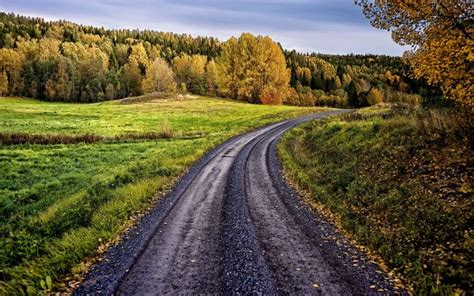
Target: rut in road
x: 232, y: 225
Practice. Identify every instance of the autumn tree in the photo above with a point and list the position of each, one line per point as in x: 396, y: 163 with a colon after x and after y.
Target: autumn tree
x: 197, y: 83
x: 303, y: 75
x: 11, y: 62
x: 93, y: 68
x: 3, y: 84
x: 59, y: 86
x: 132, y: 79
x: 121, y: 52
x: 191, y: 70
x: 159, y: 78
x: 292, y: 97
x: 374, y: 97
x: 441, y: 35
x: 270, y: 95
x: 139, y: 57
x: 155, y: 53
x: 182, y: 67
x: 41, y: 64
x: 211, y: 78
x: 307, y: 99
x: 253, y: 68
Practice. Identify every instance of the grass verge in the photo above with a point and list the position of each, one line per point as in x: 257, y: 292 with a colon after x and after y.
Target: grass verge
x: 399, y: 181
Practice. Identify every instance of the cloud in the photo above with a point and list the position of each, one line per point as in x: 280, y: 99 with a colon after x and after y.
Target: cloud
x: 332, y: 26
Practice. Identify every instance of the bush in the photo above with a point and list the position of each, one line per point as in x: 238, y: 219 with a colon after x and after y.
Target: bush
x: 332, y: 101
x: 271, y: 96
x: 401, y: 97
x: 306, y: 99
x: 375, y: 97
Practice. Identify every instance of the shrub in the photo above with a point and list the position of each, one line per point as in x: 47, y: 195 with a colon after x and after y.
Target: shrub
x: 332, y: 101
x: 271, y: 96
x: 375, y: 97
x: 401, y: 97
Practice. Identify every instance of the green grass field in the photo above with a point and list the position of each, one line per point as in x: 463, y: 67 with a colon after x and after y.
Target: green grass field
x: 399, y: 182
x: 59, y: 202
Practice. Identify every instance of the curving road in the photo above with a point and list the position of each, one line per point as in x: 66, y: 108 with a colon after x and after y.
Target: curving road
x: 232, y: 225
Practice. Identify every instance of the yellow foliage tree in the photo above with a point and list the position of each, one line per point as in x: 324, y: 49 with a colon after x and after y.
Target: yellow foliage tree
x: 375, y: 97
x: 307, y: 99
x: 132, y: 78
x: 441, y: 35
x: 292, y: 97
x: 191, y: 71
x: 159, y: 78
x: 139, y: 57
x: 11, y: 66
x: 134, y: 70
x: 59, y: 86
x: 3, y: 84
x: 304, y: 75
x: 253, y: 69
x: 211, y: 78
x: 270, y: 95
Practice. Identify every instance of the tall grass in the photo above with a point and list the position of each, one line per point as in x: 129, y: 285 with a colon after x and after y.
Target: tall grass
x: 400, y: 182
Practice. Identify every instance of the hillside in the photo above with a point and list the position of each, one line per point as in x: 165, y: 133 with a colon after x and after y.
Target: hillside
x: 398, y: 181
x: 63, y: 61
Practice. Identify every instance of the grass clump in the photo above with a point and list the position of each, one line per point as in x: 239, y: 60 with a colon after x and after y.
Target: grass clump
x: 400, y: 181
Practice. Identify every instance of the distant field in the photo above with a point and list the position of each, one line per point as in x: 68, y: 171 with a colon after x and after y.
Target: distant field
x: 58, y: 202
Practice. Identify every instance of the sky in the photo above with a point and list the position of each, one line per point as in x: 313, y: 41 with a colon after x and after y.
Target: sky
x: 323, y: 26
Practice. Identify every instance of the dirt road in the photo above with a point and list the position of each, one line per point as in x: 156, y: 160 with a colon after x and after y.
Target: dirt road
x: 232, y: 225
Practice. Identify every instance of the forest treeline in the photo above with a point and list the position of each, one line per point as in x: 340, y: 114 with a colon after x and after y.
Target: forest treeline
x: 63, y: 61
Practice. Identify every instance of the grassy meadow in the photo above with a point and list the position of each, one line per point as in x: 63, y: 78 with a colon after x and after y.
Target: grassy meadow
x: 398, y: 181
x: 60, y: 199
